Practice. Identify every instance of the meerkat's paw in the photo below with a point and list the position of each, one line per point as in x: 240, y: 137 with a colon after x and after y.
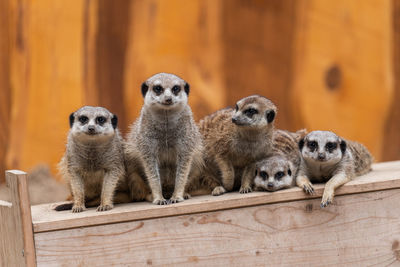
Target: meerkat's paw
x: 308, y: 188
x: 245, y: 189
x: 327, y: 198
x: 104, y: 207
x: 173, y: 200
x: 219, y: 190
x: 77, y: 208
x: 160, y: 201
x: 186, y: 196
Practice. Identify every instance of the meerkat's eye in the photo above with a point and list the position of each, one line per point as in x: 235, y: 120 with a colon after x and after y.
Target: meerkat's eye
x: 158, y: 89
x: 279, y: 175
x: 83, y: 119
x: 100, y: 120
x: 331, y: 146
x: 237, y: 107
x: 264, y: 175
x: 176, y: 89
x: 250, y: 112
x: 312, y: 145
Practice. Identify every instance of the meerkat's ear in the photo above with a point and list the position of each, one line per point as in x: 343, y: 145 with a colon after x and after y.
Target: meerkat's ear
x: 187, y: 88
x: 71, y: 119
x: 270, y: 116
x: 301, y: 143
x: 114, y: 121
x: 256, y: 172
x: 343, y: 146
x: 145, y: 88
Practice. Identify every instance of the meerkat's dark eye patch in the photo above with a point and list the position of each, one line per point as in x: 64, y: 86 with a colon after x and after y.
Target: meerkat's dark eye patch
x: 71, y: 119
x: 312, y: 145
x: 301, y: 143
x: 270, y: 116
x: 279, y: 175
x: 83, y: 119
x: 101, y: 120
x: 187, y: 88
x: 250, y: 112
x: 264, y: 175
x: 145, y: 88
x: 158, y: 89
x: 114, y: 121
x: 176, y: 89
x: 289, y: 172
x: 330, y: 146
x: 236, y: 107
x: 256, y: 172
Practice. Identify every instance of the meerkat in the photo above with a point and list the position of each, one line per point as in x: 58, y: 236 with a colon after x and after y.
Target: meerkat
x: 329, y: 158
x: 93, y: 164
x: 235, y: 139
x: 279, y: 170
x: 164, y: 144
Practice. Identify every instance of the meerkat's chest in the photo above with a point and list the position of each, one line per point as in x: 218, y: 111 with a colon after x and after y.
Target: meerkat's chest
x: 319, y: 172
x: 246, y: 152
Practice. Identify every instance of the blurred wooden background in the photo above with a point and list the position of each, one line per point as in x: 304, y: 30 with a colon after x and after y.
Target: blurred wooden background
x: 331, y: 65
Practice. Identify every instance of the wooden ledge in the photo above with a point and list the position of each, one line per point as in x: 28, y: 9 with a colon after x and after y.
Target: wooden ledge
x: 384, y: 176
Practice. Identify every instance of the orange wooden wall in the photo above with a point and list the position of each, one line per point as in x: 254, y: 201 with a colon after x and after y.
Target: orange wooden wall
x: 331, y: 65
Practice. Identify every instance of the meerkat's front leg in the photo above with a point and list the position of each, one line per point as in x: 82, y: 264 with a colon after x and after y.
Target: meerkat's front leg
x: 228, y: 176
x: 330, y: 187
x: 247, y: 179
x: 153, y: 177
x: 304, y: 183
x: 182, y: 172
x: 78, y: 192
x: 110, y: 182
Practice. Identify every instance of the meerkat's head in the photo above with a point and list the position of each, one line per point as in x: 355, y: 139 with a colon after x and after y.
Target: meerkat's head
x: 322, y: 147
x: 254, y: 111
x: 165, y: 91
x: 92, y: 124
x: 273, y: 174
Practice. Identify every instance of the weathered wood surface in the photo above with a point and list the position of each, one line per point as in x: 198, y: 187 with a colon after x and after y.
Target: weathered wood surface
x: 359, y: 230
x: 16, y: 234
x: 384, y: 176
x: 326, y: 64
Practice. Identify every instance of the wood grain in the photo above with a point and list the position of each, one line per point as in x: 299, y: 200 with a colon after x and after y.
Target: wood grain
x: 359, y: 230
x: 17, y: 246
x: 384, y: 176
x: 343, y: 69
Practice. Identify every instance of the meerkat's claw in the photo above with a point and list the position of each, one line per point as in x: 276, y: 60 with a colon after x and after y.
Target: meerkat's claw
x: 76, y: 208
x: 104, y: 207
x: 161, y: 201
x: 173, y: 200
x: 245, y: 190
x: 187, y: 196
x: 327, y: 199
x: 308, y: 188
x: 219, y: 190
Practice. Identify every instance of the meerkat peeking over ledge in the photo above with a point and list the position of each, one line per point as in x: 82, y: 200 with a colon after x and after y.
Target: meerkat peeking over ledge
x: 279, y: 170
x: 93, y: 164
x: 329, y: 158
x: 235, y: 139
x: 164, y: 144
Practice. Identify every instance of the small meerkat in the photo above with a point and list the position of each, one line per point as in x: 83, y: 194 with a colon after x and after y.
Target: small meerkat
x: 279, y: 170
x: 329, y: 158
x: 235, y: 139
x: 164, y: 144
x: 93, y: 164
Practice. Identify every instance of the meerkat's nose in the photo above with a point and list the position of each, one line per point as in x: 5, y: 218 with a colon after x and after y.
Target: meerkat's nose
x: 91, y: 129
x: 321, y: 156
x: 168, y: 100
x: 270, y: 185
x: 234, y: 119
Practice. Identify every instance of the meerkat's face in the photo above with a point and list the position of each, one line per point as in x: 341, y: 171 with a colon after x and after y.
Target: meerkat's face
x: 92, y: 124
x: 323, y: 147
x: 273, y: 174
x: 165, y: 91
x: 254, y: 111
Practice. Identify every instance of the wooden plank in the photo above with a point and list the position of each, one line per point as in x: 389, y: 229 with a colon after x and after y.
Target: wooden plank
x: 17, y: 246
x: 46, y: 78
x: 392, y: 132
x: 343, y: 69
x: 384, y: 176
x: 360, y: 230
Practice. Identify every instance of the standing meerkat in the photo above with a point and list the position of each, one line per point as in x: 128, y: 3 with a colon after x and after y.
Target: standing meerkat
x: 164, y: 144
x: 279, y: 170
x: 329, y: 158
x: 93, y: 164
x: 235, y: 139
